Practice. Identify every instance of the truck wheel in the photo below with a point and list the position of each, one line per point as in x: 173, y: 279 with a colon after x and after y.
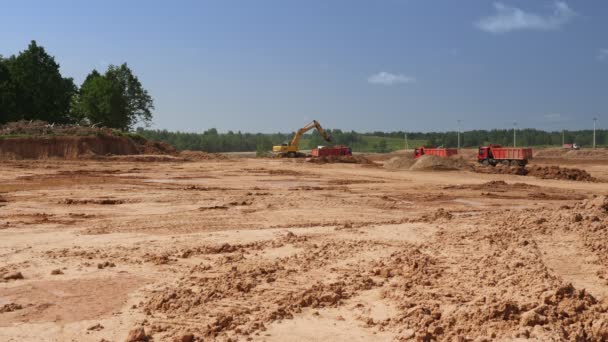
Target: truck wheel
x: 515, y: 163
x: 505, y: 162
x: 485, y: 162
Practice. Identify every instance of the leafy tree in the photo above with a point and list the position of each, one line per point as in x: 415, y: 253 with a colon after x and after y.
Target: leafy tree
x: 116, y: 99
x: 101, y: 101
x: 139, y: 102
x: 8, y: 96
x: 39, y: 89
x: 381, y: 146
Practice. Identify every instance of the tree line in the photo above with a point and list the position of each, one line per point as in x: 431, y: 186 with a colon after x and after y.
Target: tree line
x: 32, y: 88
x: 213, y: 141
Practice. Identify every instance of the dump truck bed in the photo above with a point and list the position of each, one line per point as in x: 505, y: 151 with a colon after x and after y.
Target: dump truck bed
x: 441, y: 152
x: 512, y: 153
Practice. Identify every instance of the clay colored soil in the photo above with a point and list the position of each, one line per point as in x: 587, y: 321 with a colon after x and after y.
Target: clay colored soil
x: 200, y: 248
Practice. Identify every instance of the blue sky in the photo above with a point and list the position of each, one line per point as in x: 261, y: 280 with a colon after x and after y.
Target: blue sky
x: 273, y: 65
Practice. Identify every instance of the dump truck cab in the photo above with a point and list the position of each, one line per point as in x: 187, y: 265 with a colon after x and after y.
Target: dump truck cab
x: 485, y: 153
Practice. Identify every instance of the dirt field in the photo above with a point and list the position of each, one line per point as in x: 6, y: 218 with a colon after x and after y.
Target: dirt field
x: 286, y: 250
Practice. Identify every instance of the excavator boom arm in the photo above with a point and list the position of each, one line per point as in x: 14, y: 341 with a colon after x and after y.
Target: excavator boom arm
x: 314, y: 124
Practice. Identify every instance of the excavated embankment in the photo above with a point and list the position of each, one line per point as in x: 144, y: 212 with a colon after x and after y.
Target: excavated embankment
x: 66, y: 147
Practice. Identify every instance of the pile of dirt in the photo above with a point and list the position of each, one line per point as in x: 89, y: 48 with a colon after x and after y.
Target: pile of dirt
x: 561, y: 153
x: 201, y: 156
x: 556, y: 172
x: 41, y: 140
x: 103, y: 201
x: 400, y: 162
x: 66, y: 147
x: 343, y: 159
x: 543, y: 172
x: 156, y: 147
x: 430, y: 162
x: 145, y: 158
x: 468, y: 153
x: 501, y: 170
x: 502, y: 185
x: 42, y: 128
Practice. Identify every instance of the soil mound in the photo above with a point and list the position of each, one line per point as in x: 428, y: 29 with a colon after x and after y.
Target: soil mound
x: 66, y: 147
x: 157, y: 147
x: 37, y: 127
x: 399, y: 163
x: 40, y: 140
x: 146, y: 158
x: 556, y: 172
x: 430, y: 162
x: 585, y: 154
x: 343, y: 159
x: 200, y: 155
x: 543, y: 172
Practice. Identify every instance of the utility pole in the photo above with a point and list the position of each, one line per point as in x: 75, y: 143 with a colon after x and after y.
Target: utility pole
x: 514, y: 136
x: 458, y: 134
x: 405, y: 138
x: 594, y: 121
x: 563, y: 140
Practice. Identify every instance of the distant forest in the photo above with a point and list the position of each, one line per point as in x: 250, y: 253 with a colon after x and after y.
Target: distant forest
x: 213, y: 141
x: 32, y: 88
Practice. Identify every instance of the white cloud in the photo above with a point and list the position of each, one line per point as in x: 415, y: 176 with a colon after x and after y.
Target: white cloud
x: 509, y: 19
x: 386, y: 78
x: 603, y: 55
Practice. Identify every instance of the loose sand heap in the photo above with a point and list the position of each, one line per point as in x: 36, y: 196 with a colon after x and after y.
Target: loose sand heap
x: 544, y: 172
x: 342, y: 159
x: 584, y: 154
x: 430, y: 163
x: 427, y: 162
x: 200, y: 155
x: 400, y: 163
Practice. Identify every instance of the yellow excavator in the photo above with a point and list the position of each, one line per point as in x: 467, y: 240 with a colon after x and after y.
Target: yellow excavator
x: 292, y: 148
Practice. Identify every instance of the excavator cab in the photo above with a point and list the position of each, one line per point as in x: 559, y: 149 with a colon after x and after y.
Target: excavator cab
x: 292, y: 148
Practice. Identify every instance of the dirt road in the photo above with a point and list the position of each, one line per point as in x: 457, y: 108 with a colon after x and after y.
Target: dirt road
x: 275, y: 250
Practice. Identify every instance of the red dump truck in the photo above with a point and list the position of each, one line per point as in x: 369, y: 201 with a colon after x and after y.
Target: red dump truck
x: 496, y: 154
x: 439, y: 152
x: 323, y: 151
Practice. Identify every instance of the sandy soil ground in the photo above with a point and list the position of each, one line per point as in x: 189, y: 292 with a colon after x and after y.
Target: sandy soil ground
x: 278, y: 250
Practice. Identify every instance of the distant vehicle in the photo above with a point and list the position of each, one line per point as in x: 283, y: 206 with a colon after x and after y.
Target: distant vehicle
x: 323, y: 151
x: 571, y: 146
x: 292, y: 149
x: 509, y: 156
x: 439, y: 152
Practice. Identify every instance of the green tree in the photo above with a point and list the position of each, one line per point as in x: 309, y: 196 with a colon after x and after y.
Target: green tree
x: 116, y: 99
x: 101, y: 102
x: 40, y: 90
x: 8, y: 96
x: 139, y: 102
x: 381, y: 146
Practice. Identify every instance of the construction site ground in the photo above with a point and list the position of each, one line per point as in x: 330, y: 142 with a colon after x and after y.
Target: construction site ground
x: 282, y: 249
